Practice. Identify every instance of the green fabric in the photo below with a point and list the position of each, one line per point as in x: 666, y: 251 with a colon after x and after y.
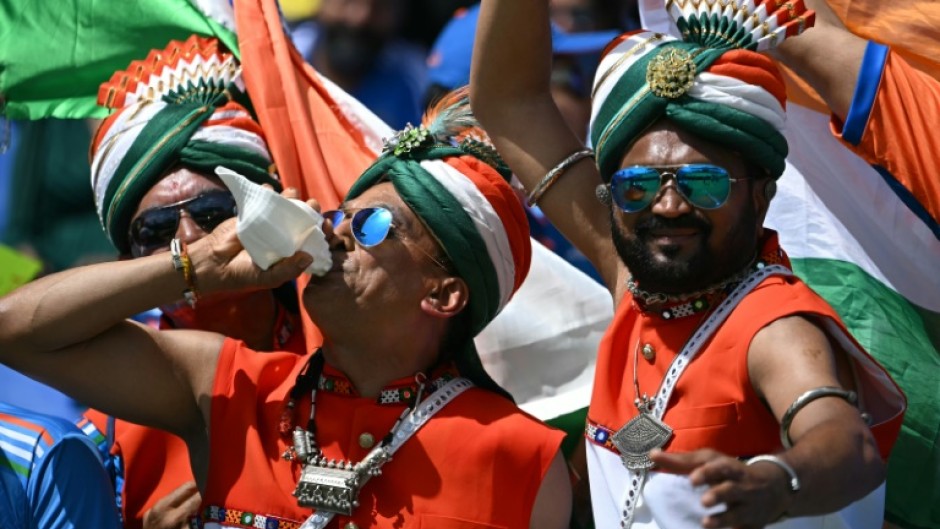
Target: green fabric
x: 454, y: 230
x: 902, y: 337
x: 16, y: 269
x: 52, y: 207
x: 163, y: 144
x: 755, y: 139
x: 573, y: 425
x: 55, y: 54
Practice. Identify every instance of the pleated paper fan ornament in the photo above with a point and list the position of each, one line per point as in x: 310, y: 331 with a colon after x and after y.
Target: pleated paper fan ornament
x: 196, y: 70
x: 757, y: 25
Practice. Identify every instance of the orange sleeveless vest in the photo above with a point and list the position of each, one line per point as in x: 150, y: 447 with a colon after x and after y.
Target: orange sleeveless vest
x: 713, y: 404
x: 478, y: 462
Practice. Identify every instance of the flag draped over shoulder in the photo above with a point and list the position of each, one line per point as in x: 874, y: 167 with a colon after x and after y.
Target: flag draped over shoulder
x: 866, y: 237
x: 54, y: 55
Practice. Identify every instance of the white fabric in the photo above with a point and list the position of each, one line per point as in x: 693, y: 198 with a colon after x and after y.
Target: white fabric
x: 485, y: 219
x: 114, y: 146
x: 734, y: 93
x: 234, y: 137
x: 831, y: 204
x: 619, y: 60
x: 668, y: 501
x: 541, y: 350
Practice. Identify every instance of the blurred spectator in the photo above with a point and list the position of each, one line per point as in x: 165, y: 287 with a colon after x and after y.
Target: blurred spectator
x: 573, y: 16
x: 426, y: 18
x: 50, y: 475
x: 357, y: 44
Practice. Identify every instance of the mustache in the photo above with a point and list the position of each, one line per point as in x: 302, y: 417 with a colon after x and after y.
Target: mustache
x: 657, y: 223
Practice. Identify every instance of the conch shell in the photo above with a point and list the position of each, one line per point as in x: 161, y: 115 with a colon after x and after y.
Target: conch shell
x: 272, y: 227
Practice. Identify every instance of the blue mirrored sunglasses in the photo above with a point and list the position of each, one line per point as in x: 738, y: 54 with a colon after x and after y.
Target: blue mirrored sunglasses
x: 371, y: 226
x: 704, y: 186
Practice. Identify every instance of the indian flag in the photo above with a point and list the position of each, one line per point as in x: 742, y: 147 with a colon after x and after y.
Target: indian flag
x: 866, y: 237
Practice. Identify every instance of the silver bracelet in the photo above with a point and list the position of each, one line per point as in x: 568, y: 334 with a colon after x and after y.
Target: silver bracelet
x: 553, y: 175
x: 816, y: 393
x: 767, y: 458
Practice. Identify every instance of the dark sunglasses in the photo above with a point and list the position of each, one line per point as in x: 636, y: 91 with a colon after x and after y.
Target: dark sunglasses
x: 156, y: 227
x: 704, y: 186
x: 371, y: 226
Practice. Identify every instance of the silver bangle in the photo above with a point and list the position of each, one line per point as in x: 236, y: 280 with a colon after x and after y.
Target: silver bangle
x: 767, y: 458
x: 816, y: 393
x: 555, y: 172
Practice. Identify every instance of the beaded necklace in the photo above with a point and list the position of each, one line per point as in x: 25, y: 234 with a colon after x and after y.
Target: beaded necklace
x: 328, y: 485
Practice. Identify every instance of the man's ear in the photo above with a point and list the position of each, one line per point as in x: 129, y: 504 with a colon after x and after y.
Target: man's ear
x: 446, y: 298
x: 764, y: 191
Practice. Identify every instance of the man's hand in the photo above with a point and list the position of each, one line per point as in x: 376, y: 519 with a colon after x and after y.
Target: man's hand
x: 754, y: 496
x: 221, y: 262
x: 174, y: 510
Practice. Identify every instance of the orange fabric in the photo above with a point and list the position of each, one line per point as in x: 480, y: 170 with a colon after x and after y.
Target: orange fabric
x: 713, y: 404
x: 751, y: 68
x: 911, y: 28
x: 507, y: 206
x: 478, y: 462
x: 155, y: 464
x: 900, y: 133
x: 314, y: 146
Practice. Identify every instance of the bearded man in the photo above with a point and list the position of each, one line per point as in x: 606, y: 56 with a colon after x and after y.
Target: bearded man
x: 726, y: 391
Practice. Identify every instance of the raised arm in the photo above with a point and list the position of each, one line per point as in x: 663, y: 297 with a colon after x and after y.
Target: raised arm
x: 68, y: 330
x: 510, y: 94
x: 894, y: 107
x: 828, y: 56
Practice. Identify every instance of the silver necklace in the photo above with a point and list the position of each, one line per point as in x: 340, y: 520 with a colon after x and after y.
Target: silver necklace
x: 642, y: 433
x: 333, y: 485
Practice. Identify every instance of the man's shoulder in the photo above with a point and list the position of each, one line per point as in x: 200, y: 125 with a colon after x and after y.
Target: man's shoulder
x: 489, y: 410
x: 23, y: 426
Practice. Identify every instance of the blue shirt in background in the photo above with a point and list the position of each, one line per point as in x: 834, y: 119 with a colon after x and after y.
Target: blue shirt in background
x: 51, y: 476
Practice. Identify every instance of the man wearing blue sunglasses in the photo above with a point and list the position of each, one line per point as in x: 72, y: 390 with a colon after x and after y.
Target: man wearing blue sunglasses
x: 392, y: 422
x: 727, y: 393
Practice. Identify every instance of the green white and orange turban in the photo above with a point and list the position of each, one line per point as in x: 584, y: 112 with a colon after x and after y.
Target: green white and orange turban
x: 712, y: 83
x: 174, y: 109
x: 458, y: 187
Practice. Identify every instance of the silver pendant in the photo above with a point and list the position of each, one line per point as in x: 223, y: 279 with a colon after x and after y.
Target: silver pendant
x: 333, y: 486
x: 329, y: 486
x: 640, y: 435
